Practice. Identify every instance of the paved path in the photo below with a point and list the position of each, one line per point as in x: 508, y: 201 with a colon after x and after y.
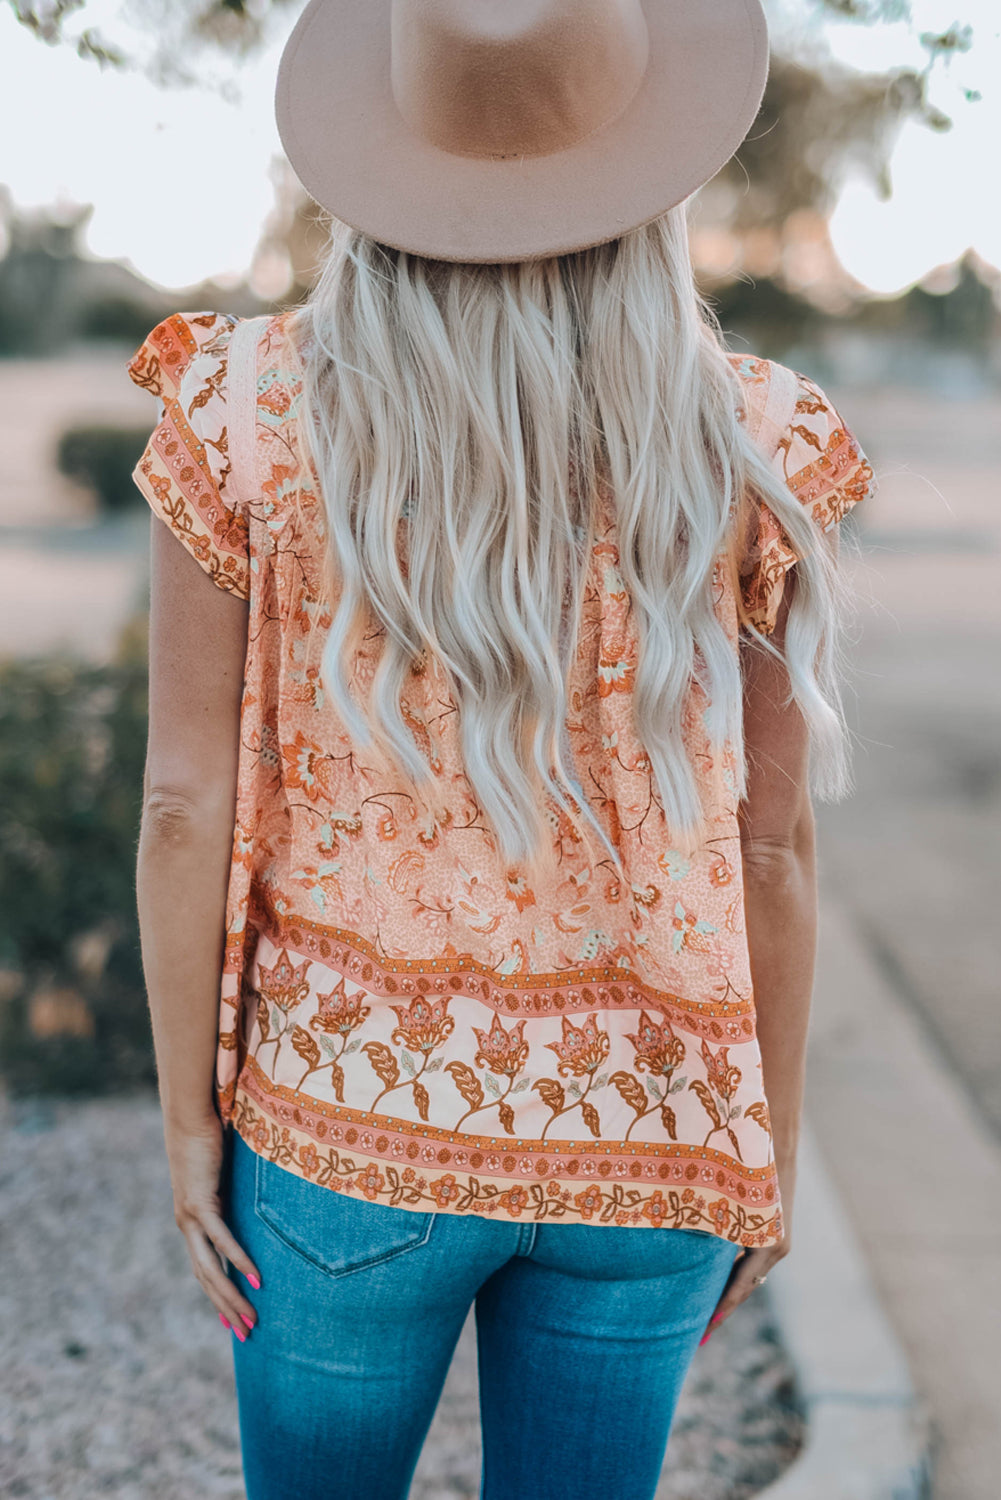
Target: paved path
x: 905, y: 1052
x: 66, y: 582
x: 916, y: 852
x: 920, y: 1176
x: 39, y: 399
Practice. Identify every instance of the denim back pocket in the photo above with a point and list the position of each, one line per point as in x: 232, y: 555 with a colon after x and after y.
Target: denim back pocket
x: 336, y: 1232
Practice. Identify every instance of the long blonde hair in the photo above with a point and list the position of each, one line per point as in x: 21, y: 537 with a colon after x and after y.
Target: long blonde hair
x: 482, y: 402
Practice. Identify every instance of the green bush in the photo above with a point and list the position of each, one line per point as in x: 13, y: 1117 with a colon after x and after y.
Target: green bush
x: 73, y: 1014
x: 120, y: 319
x: 103, y: 458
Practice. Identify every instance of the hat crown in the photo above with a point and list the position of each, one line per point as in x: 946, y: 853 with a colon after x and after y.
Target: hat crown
x: 508, y: 78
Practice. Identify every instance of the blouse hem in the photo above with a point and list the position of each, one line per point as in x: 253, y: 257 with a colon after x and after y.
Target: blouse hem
x: 683, y: 1188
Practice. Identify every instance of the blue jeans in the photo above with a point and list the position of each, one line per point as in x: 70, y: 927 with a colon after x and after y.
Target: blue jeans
x: 584, y: 1335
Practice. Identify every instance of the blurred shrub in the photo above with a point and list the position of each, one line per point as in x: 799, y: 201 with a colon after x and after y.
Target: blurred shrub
x: 764, y: 313
x: 118, y: 318
x: 73, y: 1015
x: 103, y: 459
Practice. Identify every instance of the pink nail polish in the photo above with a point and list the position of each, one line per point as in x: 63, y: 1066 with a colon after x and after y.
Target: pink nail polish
x: 254, y: 1282
x: 241, y: 1336
x: 703, y: 1340
x: 224, y: 1321
x: 249, y: 1321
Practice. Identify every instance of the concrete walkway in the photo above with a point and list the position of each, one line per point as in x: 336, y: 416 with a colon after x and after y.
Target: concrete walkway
x: 867, y: 1430
x: 69, y: 578
x: 920, y: 1176
x: 904, y: 1062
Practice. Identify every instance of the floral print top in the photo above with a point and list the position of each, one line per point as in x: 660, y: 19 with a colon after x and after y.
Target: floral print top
x: 401, y: 1016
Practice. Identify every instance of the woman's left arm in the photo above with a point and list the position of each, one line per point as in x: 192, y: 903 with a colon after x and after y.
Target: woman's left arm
x: 197, y: 652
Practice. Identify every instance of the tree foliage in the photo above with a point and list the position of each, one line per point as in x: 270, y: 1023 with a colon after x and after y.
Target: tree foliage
x: 814, y: 121
x: 818, y: 121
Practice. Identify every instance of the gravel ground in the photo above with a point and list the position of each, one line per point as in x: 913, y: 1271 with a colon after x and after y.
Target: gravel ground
x: 116, y: 1377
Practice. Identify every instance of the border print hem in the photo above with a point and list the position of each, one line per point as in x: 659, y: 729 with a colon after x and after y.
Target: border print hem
x: 689, y: 1191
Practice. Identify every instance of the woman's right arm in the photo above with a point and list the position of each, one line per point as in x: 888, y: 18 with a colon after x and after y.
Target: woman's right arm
x: 778, y: 851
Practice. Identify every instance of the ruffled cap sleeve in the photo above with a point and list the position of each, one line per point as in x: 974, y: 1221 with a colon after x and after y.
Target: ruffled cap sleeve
x: 184, y: 468
x: 823, y: 465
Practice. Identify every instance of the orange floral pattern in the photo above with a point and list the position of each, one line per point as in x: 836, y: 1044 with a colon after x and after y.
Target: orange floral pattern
x: 391, y: 992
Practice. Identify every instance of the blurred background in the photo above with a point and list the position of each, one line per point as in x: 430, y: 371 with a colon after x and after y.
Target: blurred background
x: 856, y: 236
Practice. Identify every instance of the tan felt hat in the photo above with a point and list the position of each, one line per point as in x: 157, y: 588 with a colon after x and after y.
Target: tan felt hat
x: 503, y: 130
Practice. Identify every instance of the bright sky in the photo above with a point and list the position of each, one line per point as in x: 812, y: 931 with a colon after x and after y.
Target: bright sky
x: 179, y: 176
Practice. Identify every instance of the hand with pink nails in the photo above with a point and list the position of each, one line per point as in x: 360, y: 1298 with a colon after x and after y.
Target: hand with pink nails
x: 752, y: 1265
x: 195, y: 1154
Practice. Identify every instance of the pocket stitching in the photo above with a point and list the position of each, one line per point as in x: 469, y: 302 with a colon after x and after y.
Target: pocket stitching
x: 260, y: 1208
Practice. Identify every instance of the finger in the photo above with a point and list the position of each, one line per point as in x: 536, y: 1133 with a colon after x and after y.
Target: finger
x: 237, y: 1313
x: 741, y: 1283
x: 223, y: 1295
x: 219, y: 1232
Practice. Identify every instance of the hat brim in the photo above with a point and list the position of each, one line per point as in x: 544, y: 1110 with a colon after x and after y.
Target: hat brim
x: 356, y: 156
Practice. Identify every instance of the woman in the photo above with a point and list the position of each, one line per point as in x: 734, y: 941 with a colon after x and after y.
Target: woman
x: 506, y: 614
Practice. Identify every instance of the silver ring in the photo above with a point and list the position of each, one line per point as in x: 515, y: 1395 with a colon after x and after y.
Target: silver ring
x: 759, y: 1280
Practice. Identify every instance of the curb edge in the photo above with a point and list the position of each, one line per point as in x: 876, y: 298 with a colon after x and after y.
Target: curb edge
x: 869, y: 1435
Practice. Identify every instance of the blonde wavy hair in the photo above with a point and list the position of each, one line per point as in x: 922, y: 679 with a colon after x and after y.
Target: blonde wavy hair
x: 482, y: 402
